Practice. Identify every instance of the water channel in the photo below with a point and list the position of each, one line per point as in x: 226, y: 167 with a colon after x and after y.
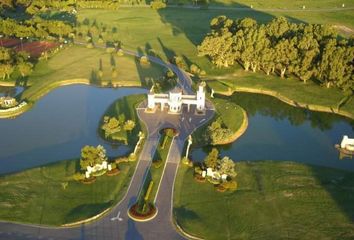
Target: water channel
x: 67, y: 118
x: 57, y: 127
x: 277, y: 131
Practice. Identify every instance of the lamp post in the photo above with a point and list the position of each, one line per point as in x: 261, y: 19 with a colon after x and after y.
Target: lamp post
x: 21, y: 43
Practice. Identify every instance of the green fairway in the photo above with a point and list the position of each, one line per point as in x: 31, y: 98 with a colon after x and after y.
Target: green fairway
x: 78, y: 62
x: 274, y: 200
x: 47, y: 195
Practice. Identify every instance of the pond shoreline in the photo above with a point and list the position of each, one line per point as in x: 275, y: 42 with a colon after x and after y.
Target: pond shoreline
x: 287, y: 100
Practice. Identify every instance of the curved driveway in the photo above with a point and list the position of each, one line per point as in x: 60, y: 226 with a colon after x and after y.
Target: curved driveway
x: 109, y: 227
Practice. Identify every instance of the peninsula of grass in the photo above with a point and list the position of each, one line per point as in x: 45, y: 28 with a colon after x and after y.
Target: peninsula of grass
x: 290, y: 90
x: 126, y: 106
x: 77, y: 64
x: 274, y: 200
x: 233, y: 117
x: 48, y: 195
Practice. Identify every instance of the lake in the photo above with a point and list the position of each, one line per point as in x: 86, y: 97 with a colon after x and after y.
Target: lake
x: 58, y: 126
x: 278, y: 131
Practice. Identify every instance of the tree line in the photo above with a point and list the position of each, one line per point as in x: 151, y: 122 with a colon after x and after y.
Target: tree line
x: 35, y: 28
x: 307, y: 51
x: 11, y: 61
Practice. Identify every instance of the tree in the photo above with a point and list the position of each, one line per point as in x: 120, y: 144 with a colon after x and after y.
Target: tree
x: 286, y: 55
x: 227, y: 166
x: 90, y: 156
x: 6, y: 70
x: 25, y: 68
x: 129, y: 125
x: 211, y: 161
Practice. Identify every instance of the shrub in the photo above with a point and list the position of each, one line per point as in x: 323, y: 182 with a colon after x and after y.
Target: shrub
x: 110, y: 49
x: 121, y: 160
x: 89, y: 45
x: 198, y: 170
x: 194, y: 69
x: 157, y: 5
x: 120, y: 52
x: 132, y: 157
x: 157, y: 163
x: 113, y: 165
x: 144, y: 60
x: 230, y: 185
x: 202, y: 73
x: 78, y: 176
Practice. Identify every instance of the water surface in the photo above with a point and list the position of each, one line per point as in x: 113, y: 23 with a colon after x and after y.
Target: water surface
x: 278, y: 131
x: 57, y: 127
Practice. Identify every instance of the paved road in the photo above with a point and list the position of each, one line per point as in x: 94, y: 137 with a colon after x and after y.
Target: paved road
x: 161, y: 227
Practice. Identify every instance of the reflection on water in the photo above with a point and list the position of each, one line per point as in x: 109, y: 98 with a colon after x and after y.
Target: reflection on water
x: 57, y: 127
x: 278, y: 131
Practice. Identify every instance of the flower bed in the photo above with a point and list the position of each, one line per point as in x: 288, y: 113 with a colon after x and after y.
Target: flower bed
x: 89, y: 180
x: 199, y: 178
x: 134, y: 213
x: 113, y: 172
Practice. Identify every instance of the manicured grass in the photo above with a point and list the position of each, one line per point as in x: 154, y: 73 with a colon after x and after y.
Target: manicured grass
x: 291, y: 88
x: 78, y: 62
x: 127, y: 106
x: 38, y: 195
x: 156, y: 173
x: 278, y: 4
x: 178, y: 31
x: 231, y: 115
x: 274, y: 200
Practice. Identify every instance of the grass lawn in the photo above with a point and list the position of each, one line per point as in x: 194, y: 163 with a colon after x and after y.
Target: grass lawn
x: 78, y: 62
x: 274, y: 200
x: 155, y: 173
x: 39, y: 195
x: 309, y: 93
x: 231, y: 115
x: 126, y: 106
x: 178, y: 31
x: 174, y: 31
x: 278, y: 4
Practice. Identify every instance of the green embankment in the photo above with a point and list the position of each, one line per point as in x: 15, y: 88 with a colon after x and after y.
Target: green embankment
x: 274, y: 200
x: 289, y: 90
x: 81, y: 65
x: 233, y: 117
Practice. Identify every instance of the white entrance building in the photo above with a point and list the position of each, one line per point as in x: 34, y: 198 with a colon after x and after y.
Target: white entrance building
x: 175, y: 100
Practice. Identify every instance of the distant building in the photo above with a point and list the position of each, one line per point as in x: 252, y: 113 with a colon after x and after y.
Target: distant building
x: 175, y: 100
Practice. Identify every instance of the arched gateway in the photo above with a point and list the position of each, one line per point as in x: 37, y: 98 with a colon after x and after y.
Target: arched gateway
x: 175, y: 100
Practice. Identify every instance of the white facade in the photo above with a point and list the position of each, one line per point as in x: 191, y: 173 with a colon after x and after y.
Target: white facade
x: 175, y: 100
x: 347, y: 143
